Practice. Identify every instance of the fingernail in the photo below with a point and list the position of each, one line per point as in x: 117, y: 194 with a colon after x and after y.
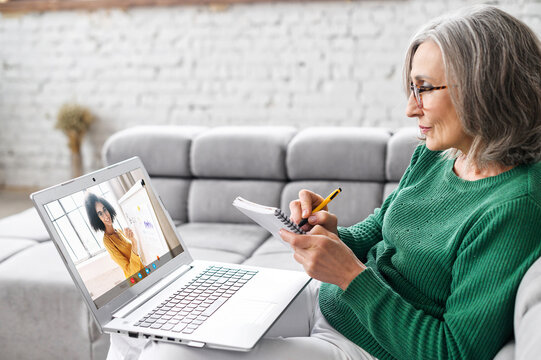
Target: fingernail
x: 312, y: 219
x: 305, y: 213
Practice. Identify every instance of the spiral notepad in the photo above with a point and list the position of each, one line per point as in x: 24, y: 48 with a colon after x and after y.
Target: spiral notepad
x: 288, y: 223
x: 271, y: 218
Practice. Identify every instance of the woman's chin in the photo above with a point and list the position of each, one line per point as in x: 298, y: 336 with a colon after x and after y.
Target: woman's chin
x: 433, y: 146
x: 430, y: 145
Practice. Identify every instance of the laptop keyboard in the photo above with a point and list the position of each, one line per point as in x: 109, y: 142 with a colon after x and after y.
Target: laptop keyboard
x: 185, y: 310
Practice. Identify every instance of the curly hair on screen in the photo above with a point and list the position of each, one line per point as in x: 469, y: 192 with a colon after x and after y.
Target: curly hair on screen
x: 90, y: 205
x: 493, y: 68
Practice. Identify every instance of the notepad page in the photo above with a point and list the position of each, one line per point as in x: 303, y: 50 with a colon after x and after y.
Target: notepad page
x: 265, y: 216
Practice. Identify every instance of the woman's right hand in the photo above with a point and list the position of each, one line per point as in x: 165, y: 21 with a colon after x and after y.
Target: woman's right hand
x: 303, y: 206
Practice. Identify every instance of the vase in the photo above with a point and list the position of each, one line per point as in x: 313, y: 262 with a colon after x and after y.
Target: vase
x: 75, y: 139
x: 76, y: 164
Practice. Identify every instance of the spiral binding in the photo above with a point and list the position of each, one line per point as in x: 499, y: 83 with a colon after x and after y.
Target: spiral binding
x: 287, y: 222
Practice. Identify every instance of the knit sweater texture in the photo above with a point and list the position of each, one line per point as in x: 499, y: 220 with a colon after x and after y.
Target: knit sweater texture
x: 444, y: 259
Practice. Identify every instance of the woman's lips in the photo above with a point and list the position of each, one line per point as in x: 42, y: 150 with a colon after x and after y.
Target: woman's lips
x: 424, y: 129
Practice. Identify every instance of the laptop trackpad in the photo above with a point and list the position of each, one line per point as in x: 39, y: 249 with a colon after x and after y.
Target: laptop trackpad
x: 246, y: 311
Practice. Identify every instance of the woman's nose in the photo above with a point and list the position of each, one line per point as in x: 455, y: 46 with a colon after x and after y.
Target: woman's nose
x: 412, y: 109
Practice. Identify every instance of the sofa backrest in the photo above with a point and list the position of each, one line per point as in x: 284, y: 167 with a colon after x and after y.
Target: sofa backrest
x: 199, y: 171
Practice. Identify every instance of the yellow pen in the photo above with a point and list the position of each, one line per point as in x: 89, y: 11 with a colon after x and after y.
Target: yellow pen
x: 322, y: 205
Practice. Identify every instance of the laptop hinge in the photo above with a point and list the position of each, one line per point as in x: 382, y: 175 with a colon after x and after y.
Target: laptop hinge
x: 128, y: 308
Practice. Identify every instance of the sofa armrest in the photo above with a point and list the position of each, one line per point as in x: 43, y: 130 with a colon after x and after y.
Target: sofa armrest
x: 528, y: 314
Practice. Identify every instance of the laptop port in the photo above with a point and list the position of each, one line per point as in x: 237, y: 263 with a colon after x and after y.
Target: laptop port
x: 170, y: 339
x: 133, y: 334
x: 158, y: 337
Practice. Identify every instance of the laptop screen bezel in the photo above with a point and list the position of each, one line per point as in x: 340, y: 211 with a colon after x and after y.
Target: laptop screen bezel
x: 104, y: 313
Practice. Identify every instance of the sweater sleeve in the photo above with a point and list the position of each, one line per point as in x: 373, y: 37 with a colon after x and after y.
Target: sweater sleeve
x: 478, y: 319
x: 365, y: 234
x: 362, y: 236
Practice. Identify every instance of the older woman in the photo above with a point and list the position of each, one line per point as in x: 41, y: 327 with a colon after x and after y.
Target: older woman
x: 121, y: 245
x: 433, y: 273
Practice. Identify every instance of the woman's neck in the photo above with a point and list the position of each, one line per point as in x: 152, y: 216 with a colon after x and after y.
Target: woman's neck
x: 109, y: 230
x: 471, y: 172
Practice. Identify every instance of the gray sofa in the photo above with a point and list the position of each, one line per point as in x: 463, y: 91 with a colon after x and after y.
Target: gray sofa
x: 198, y: 172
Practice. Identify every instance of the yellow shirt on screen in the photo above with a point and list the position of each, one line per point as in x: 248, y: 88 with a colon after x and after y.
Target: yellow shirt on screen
x: 120, y: 249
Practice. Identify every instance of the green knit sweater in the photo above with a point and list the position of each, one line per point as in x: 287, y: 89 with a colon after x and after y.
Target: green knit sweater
x: 444, y: 259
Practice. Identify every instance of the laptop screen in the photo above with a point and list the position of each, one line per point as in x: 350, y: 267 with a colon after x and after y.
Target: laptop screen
x: 116, y: 234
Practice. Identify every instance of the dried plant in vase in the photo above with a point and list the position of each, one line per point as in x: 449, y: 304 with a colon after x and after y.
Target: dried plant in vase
x: 74, y: 120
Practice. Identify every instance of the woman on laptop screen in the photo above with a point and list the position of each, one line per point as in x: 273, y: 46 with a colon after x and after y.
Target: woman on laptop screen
x: 121, y: 245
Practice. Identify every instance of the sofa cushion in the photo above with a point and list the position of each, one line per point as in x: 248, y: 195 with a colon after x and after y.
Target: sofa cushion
x: 400, y: 147
x: 211, y: 200
x: 388, y: 189
x: 273, y: 246
x: 338, y: 153
x: 174, y: 195
x: 24, y: 225
x: 10, y: 247
x: 274, y: 253
x: 241, y: 239
x: 348, y: 212
x: 164, y: 150
x: 42, y: 305
x: 242, y: 152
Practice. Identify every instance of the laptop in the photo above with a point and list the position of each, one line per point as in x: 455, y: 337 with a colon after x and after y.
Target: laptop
x: 139, y: 279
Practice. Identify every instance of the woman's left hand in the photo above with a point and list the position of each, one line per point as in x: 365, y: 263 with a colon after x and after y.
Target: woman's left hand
x: 324, y: 256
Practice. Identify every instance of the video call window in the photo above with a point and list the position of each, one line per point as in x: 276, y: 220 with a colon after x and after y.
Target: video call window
x: 115, y: 233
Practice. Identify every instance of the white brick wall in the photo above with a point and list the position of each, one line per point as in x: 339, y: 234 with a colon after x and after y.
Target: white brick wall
x: 301, y: 64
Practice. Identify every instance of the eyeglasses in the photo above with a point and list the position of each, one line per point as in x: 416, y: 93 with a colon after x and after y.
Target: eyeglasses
x: 418, y: 90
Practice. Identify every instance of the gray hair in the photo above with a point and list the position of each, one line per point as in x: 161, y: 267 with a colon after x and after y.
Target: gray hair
x: 493, y: 62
